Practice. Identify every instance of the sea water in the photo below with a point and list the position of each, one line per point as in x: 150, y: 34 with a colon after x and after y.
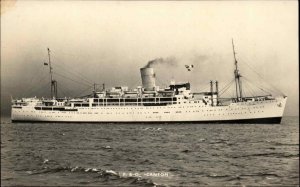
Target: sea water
x: 91, y: 154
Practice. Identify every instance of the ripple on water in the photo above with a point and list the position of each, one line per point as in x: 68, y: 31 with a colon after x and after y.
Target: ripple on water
x: 193, y: 154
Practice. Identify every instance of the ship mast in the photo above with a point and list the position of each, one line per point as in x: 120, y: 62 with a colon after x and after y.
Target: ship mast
x: 237, y: 75
x: 53, y: 83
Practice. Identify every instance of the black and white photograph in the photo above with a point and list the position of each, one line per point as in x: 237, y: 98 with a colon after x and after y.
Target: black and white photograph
x: 149, y: 93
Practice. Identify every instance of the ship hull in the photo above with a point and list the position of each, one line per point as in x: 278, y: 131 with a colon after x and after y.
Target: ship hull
x: 256, y: 112
x: 272, y: 120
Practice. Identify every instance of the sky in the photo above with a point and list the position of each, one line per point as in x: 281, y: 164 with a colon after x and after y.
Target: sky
x: 109, y: 41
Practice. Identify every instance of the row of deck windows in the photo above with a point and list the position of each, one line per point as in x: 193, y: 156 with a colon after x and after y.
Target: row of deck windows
x: 144, y: 113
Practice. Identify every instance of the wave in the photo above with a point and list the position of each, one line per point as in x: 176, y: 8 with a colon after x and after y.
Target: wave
x: 186, y: 151
x: 149, y: 162
x: 260, y: 175
x: 213, y: 175
x: 151, y: 129
x: 285, y: 155
x: 221, y: 141
x: 109, y: 177
x: 282, y: 144
x: 241, y: 176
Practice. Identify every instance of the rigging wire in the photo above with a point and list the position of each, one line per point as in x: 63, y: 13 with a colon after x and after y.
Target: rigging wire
x: 60, y: 90
x: 204, y: 88
x: 67, y: 89
x: 87, y: 86
x: 276, y: 89
x: 225, y: 88
x: 71, y: 79
x: 77, y: 72
x: 74, y: 74
x: 227, y: 84
x: 258, y: 86
x: 248, y: 91
x: 33, y: 88
x: 247, y: 85
x: 225, y: 91
x: 82, y: 82
x: 83, y: 92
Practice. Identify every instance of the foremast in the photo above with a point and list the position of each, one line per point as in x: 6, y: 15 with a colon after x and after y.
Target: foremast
x: 237, y: 78
x: 53, y: 83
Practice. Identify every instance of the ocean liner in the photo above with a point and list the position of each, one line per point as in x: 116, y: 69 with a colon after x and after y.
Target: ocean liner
x: 150, y: 104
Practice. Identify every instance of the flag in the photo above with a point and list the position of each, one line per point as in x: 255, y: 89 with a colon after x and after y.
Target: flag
x: 189, y: 67
x: 45, y: 63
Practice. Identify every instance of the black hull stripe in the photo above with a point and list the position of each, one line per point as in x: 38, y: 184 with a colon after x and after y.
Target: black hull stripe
x: 273, y: 120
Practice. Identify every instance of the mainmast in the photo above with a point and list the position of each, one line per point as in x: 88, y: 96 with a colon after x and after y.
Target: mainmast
x: 53, y: 83
x: 237, y: 75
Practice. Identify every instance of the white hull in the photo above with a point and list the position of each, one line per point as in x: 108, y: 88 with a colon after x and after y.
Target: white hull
x: 188, y: 112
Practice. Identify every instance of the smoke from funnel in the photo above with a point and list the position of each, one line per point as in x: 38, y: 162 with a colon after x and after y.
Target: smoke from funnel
x: 170, y: 61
